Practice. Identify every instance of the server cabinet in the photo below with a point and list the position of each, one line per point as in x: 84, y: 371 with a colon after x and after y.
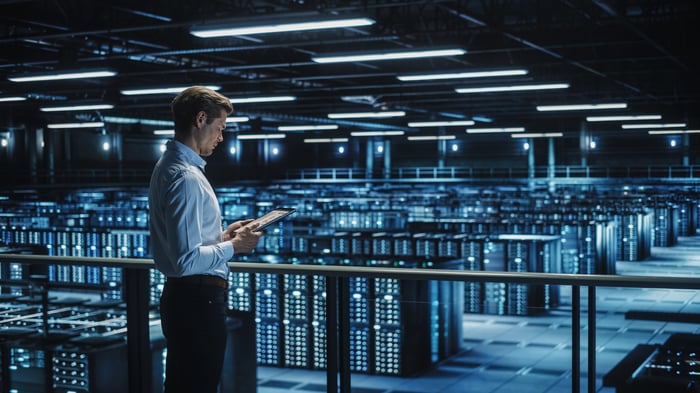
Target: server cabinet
x: 32, y: 365
x: 666, y: 224
x: 671, y: 367
x: 390, y: 320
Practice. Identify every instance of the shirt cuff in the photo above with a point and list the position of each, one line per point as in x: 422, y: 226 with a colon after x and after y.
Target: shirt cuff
x: 227, y: 248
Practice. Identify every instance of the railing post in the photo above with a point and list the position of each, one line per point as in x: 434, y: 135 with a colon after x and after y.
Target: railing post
x: 591, y: 339
x: 337, y: 335
x: 136, y: 291
x: 575, y: 339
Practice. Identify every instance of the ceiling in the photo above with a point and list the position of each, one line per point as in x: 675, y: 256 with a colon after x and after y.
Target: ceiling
x: 640, y: 52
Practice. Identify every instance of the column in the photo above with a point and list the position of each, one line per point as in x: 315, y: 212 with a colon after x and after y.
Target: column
x: 531, y: 162
x: 550, y: 164
x: 387, y: 159
x: 369, y: 159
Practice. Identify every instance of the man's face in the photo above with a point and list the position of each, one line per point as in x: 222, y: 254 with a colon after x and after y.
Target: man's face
x: 209, y: 135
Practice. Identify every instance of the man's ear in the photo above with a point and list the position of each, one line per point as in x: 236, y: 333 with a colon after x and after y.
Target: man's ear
x: 201, y: 119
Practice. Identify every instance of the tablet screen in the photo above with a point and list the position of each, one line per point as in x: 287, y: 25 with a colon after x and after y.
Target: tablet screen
x: 271, y: 217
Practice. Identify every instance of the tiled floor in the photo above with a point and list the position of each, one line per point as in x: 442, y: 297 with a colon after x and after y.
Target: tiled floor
x: 506, y: 354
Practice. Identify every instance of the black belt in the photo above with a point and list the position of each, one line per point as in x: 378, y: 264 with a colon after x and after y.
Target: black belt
x: 201, y: 279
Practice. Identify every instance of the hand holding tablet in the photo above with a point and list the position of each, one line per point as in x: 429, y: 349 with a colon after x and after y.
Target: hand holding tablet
x: 269, y: 218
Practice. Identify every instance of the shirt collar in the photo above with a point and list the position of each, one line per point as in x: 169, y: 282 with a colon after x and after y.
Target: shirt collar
x: 189, y: 154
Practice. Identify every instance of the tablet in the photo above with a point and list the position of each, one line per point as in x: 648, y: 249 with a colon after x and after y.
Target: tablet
x: 270, y: 218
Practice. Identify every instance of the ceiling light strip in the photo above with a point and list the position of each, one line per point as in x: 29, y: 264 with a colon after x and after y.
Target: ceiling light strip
x: 432, y: 138
x: 76, y: 108
x: 657, y: 125
x: 666, y: 132
x: 248, y: 100
x: 494, y: 130
x: 357, y: 115
x: 441, y: 123
x: 163, y: 132
x: 260, y: 136
x: 623, y: 118
x: 325, y: 140
x: 281, y: 27
x: 62, y: 75
x: 415, y: 54
x: 581, y: 107
x: 12, y: 99
x: 96, y: 124
x: 133, y: 120
x: 161, y: 90
x: 460, y: 75
x: 376, y: 133
x: 308, y: 127
x: 539, y: 135
x: 498, y: 89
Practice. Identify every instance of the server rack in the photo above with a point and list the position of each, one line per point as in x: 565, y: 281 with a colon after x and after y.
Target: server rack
x: 671, y: 367
x: 666, y: 224
x: 389, y: 319
x: 634, y: 235
x: 90, y: 365
x: 472, y: 252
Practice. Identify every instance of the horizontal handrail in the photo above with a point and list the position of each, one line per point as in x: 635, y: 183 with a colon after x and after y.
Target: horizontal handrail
x: 398, y: 173
x: 597, y: 280
x: 668, y: 172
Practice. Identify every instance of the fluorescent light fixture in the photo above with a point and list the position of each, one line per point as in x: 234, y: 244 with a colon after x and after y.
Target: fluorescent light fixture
x: 538, y: 135
x: 441, y: 123
x: 133, y: 120
x: 431, y: 138
x: 76, y: 108
x: 261, y: 136
x: 280, y: 27
x: 246, y: 100
x: 163, y: 132
x: 62, y: 75
x: 494, y: 130
x: 623, y: 118
x: 460, y: 75
x: 95, y: 124
x: 583, y: 107
x: 498, y: 89
x: 325, y: 140
x: 357, y: 115
x: 411, y: 54
x: 237, y: 119
x: 657, y: 125
x: 308, y: 127
x: 376, y: 133
x: 12, y: 99
x: 161, y: 90
x: 663, y: 132
x: 121, y: 120
x: 482, y: 119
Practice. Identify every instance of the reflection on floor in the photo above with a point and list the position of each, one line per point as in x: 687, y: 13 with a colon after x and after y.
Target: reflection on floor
x: 533, y: 354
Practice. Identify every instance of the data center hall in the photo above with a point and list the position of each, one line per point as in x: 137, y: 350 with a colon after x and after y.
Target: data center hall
x: 490, y: 196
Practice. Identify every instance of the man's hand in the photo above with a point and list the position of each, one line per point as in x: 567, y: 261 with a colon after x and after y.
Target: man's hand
x: 244, y: 240
x: 230, y: 232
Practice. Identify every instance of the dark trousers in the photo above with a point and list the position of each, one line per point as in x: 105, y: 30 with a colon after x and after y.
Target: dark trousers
x: 193, y: 318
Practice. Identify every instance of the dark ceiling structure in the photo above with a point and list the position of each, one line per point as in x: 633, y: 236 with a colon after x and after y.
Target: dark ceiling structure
x: 638, y: 52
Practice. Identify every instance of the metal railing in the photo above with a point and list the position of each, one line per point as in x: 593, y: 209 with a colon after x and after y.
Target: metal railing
x: 405, y: 173
x: 559, y: 172
x: 338, y: 369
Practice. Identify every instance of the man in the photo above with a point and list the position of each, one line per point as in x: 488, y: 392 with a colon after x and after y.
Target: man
x: 189, y: 246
